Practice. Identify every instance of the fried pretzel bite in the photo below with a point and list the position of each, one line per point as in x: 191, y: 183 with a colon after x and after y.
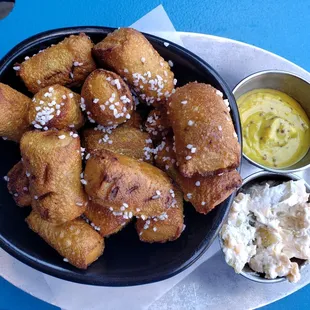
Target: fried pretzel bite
x: 67, y: 63
x: 107, y: 98
x: 205, y: 138
x: 131, y: 55
x: 18, y: 185
x: 53, y: 163
x: 163, y: 229
x: 123, y: 140
x: 76, y: 241
x: 157, y: 124
x: 129, y: 187
x: 135, y: 121
x: 103, y: 218
x: 204, y: 193
x: 56, y: 107
x: 13, y: 113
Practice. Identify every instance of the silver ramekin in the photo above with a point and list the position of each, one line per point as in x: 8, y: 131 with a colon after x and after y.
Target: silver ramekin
x: 257, y: 178
x: 288, y: 83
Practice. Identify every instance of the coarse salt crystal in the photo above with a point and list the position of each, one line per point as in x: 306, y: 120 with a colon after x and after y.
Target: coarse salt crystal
x: 96, y: 100
x: 188, y: 157
x: 219, y: 93
x: 203, y: 203
x: 16, y: 68
x: 166, y: 44
x: 170, y: 63
x: 193, y: 150
x: 83, y: 181
x: 189, y: 195
x: 6, y: 178
x: 190, y: 123
x: 61, y: 137
x: 197, y: 183
x: 142, y: 59
x: 70, y: 95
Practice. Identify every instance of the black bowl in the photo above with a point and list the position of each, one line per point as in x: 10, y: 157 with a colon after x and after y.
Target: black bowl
x: 126, y: 260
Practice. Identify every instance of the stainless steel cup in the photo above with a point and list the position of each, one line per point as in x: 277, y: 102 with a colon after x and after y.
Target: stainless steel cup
x: 288, y: 83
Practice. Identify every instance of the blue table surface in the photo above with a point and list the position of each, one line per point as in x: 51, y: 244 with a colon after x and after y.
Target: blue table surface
x: 281, y: 27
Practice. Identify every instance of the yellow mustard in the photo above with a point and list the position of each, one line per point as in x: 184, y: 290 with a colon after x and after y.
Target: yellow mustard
x: 275, y: 128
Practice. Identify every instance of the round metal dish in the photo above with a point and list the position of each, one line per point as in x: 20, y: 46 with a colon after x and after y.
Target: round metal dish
x: 288, y: 83
x: 254, y: 179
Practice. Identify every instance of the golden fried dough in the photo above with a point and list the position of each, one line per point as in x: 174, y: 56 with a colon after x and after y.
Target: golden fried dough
x: 76, y: 241
x: 13, y: 113
x: 157, y: 124
x: 53, y: 163
x: 18, y: 185
x: 123, y: 140
x: 165, y: 229
x: 204, y: 193
x: 107, y: 98
x: 127, y: 52
x: 67, y: 63
x: 205, y: 138
x: 135, y: 121
x: 129, y: 187
x: 106, y: 222
x: 56, y: 107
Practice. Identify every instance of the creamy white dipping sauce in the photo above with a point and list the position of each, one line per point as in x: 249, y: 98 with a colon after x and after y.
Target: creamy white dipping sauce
x: 267, y: 227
